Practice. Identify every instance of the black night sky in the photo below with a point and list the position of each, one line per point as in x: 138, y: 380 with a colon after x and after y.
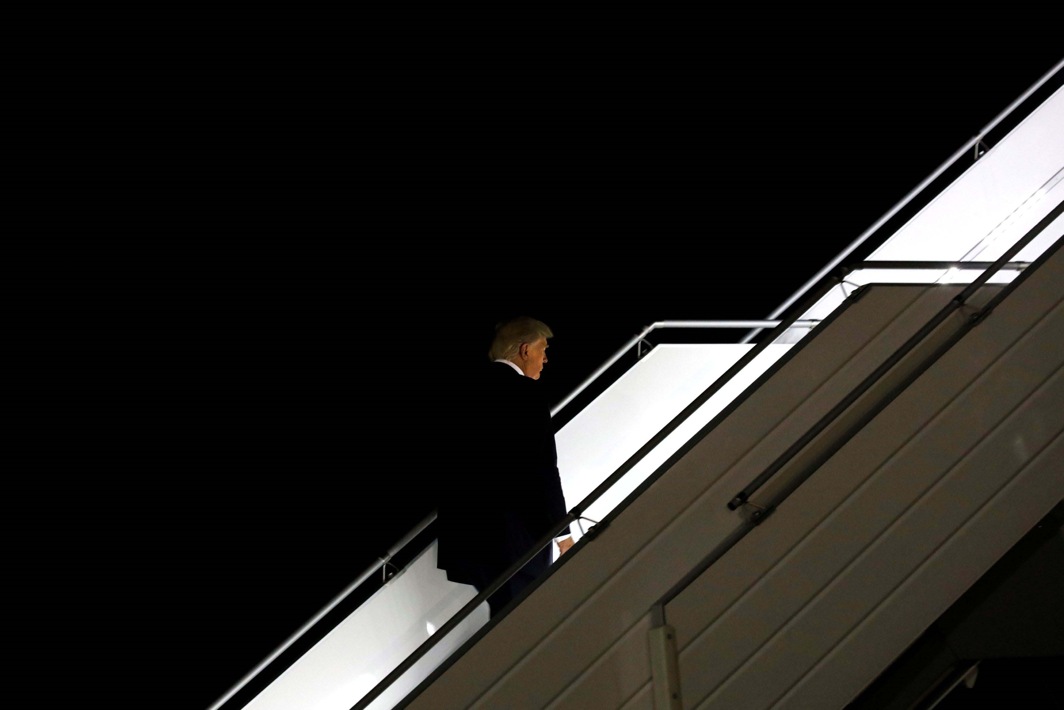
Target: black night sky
x: 251, y: 292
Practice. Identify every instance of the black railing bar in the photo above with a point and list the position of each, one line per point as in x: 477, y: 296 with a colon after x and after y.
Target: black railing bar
x: 719, y: 550
x: 654, y: 326
x: 872, y: 265
x: 370, y: 571
x: 1018, y: 246
x: 909, y: 197
x: 955, y: 303
x: 841, y: 406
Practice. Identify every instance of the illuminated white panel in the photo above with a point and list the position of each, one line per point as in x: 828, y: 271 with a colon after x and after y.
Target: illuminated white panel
x: 953, y: 275
x: 996, y: 201
x: 370, y: 643
x: 596, y: 442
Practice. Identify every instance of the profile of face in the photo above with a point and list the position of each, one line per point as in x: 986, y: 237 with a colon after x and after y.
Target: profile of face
x: 531, y: 357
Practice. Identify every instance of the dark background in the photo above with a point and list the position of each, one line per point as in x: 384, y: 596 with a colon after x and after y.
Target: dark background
x: 248, y: 295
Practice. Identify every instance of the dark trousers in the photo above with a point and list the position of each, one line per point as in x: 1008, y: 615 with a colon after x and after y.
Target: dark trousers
x: 517, y: 583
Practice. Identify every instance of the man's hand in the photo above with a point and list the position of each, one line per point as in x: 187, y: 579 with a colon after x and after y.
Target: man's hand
x: 564, y: 544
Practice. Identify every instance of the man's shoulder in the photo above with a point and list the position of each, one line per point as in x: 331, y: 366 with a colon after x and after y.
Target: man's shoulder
x: 501, y: 381
x: 501, y: 371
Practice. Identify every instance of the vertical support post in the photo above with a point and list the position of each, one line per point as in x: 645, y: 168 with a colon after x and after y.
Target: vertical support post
x: 664, y: 663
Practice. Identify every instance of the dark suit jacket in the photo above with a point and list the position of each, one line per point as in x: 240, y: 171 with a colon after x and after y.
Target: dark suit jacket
x: 508, y: 494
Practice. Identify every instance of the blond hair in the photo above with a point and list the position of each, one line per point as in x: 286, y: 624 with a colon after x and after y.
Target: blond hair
x: 510, y: 334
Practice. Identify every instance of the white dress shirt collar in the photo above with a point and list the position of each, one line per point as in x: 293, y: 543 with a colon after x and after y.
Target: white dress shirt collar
x: 517, y: 369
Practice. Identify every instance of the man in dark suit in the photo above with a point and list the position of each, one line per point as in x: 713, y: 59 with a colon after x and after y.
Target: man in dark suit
x: 510, y: 493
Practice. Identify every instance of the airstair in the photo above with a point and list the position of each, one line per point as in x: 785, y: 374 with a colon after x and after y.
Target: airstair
x: 772, y: 521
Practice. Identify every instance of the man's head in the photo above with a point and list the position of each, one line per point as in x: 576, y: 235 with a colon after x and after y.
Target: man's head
x: 522, y: 341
